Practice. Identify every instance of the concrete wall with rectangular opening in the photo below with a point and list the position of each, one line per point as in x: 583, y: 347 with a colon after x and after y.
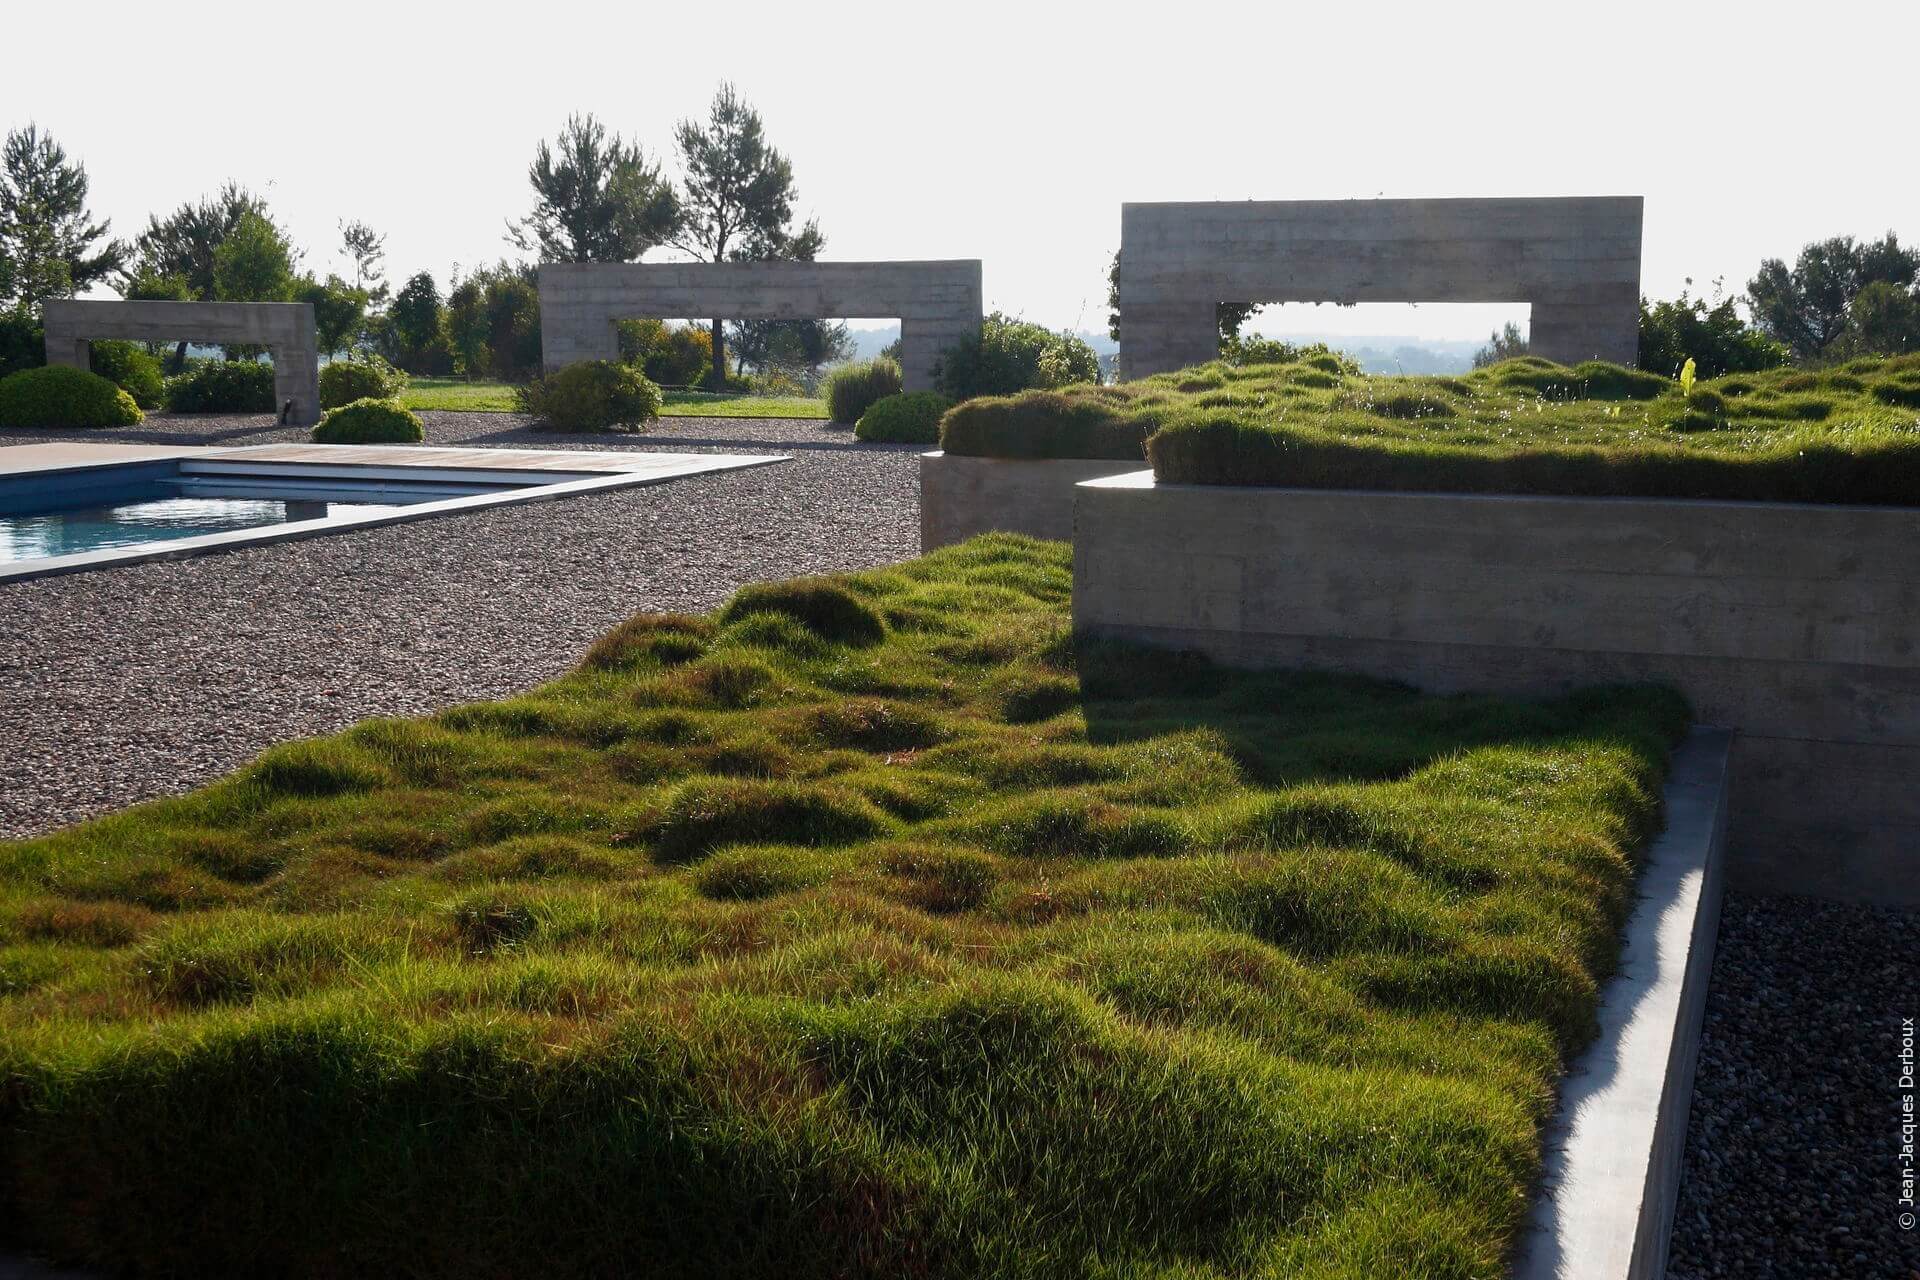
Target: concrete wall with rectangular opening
x: 284, y: 328
x: 938, y: 303
x: 1575, y: 260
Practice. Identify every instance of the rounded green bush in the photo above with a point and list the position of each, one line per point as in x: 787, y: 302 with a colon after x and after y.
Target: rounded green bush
x: 369, y: 421
x: 912, y: 417
x: 55, y: 396
x: 1008, y: 356
x: 345, y: 381
x: 854, y: 388
x: 593, y: 395
x: 223, y: 386
x: 129, y: 366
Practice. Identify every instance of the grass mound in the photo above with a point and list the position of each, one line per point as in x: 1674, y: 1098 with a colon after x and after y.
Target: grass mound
x: 1521, y: 426
x: 824, y: 607
x: 799, y: 942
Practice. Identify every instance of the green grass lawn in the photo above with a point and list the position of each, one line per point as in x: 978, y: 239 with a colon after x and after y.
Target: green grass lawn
x: 871, y: 925
x: 1848, y: 434
x: 497, y: 397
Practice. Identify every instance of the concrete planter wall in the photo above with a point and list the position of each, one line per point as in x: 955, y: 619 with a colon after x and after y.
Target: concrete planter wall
x: 1796, y: 626
x: 961, y: 496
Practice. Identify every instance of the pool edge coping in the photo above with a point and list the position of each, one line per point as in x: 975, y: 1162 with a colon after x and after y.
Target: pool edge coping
x: 214, y: 543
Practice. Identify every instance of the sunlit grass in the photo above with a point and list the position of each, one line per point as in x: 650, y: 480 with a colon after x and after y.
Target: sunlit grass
x: 1848, y: 434
x: 871, y: 925
x: 459, y: 395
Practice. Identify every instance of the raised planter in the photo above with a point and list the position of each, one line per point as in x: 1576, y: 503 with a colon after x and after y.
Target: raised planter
x: 963, y: 496
x: 1797, y: 626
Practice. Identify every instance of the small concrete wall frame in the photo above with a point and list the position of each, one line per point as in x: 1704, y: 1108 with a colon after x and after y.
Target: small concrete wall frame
x: 1575, y: 259
x: 283, y: 328
x: 938, y: 303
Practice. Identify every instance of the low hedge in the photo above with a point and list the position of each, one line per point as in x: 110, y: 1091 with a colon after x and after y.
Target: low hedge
x: 371, y: 378
x: 223, y: 386
x: 369, y: 421
x: 128, y: 366
x: 1047, y: 424
x: 854, y: 388
x: 58, y: 397
x: 912, y: 417
x: 592, y: 395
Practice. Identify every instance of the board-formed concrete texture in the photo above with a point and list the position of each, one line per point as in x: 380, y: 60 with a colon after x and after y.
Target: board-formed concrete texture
x: 1575, y: 259
x: 1614, y: 1151
x: 284, y: 328
x: 937, y: 303
x: 962, y: 496
x: 1792, y: 625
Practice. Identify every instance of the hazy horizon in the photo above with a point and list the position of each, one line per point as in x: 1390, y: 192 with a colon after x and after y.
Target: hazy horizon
x: 1007, y: 134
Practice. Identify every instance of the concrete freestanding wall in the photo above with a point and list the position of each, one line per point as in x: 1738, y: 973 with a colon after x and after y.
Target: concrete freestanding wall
x: 284, y: 328
x: 1792, y: 625
x: 1577, y: 260
x: 938, y: 303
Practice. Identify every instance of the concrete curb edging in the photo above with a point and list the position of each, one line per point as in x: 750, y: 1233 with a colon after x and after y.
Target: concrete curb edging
x: 1614, y: 1149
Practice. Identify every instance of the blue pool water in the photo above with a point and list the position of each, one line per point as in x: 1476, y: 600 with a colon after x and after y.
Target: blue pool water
x: 106, y: 509
x: 128, y: 524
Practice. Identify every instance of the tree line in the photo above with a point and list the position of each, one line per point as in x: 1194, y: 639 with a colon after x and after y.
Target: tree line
x: 1841, y: 299
x: 597, y: 197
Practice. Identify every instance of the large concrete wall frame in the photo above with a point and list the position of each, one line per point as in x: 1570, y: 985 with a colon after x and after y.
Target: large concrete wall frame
x: 938, y: 303
x: 1575, y: 259
x: 284, y: 328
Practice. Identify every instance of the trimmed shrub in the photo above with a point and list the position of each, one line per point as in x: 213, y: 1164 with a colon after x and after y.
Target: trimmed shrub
x: 1012, y: 355
x: 369, y: 421
x: 912, y: 417
x: 854, y: 388
x: 223, y: 386
x: 1045, y: 424
x: 55, y: 396
x: 592, y: 395
x: 670, y: 356
x: 128, y: 365
x: 345, y: 381
x: 1245, y: 352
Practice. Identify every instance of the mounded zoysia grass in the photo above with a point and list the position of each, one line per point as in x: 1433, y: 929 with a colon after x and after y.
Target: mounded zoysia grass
x: 871, y: 926
x: 1846, y: 435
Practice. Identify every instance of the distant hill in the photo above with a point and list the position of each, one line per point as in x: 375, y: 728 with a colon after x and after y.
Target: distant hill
x: 1377, y: 353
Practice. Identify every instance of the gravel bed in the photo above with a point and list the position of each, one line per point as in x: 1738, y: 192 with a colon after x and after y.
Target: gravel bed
x: 1792, y: 1148
x: 119, y: 685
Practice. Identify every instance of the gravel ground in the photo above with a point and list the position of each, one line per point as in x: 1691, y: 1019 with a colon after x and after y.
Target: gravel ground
x: 1792, y: 1150
x: 120, y: 685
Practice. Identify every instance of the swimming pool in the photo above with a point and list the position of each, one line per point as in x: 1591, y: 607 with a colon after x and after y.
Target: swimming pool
x: 62, y: 512
x: 111, y: 508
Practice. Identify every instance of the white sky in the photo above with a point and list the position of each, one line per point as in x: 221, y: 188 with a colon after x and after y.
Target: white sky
x: 1006, y: 132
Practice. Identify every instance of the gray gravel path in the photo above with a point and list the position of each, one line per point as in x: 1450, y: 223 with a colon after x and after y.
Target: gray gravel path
x: 120, y: 685
x: 1791, y: 1167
